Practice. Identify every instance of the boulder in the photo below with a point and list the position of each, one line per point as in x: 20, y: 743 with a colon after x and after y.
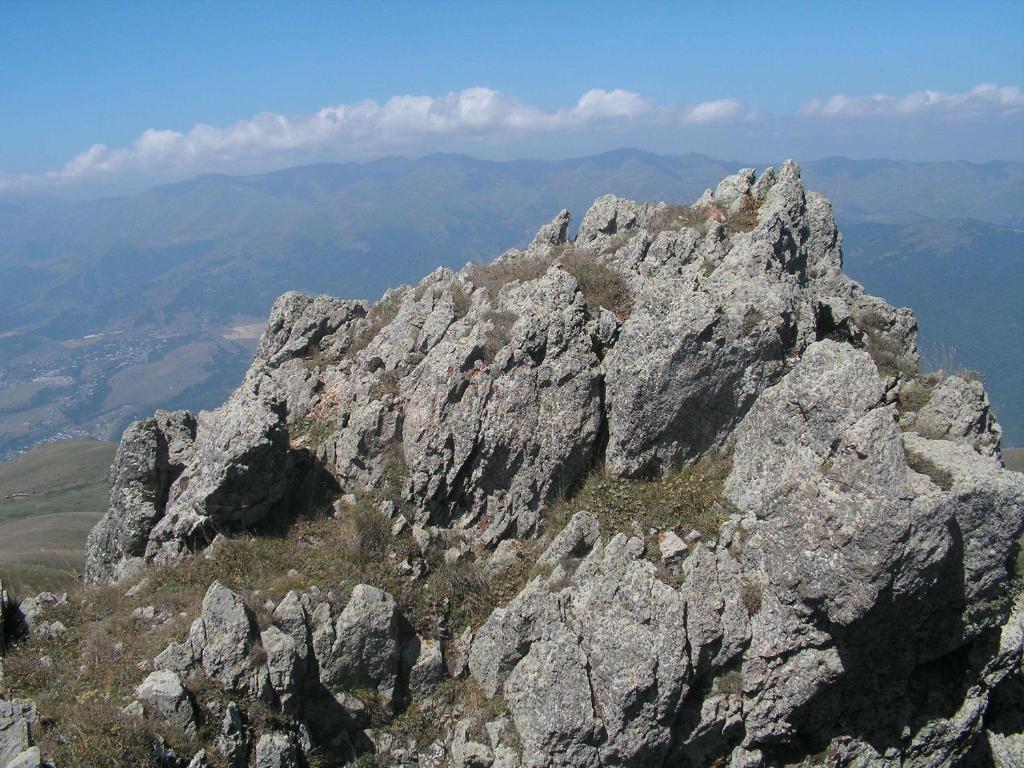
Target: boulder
x: 238, y: 472
x: 363, y: 647
x: 223, y: 640
x: 164, y: 693
x: 30, y: 758
x: 276, y: 750
x: 959, y: 410
x: 149, y: 459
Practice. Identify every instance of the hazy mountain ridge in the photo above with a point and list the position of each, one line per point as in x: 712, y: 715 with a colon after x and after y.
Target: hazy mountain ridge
x: 187, y: 260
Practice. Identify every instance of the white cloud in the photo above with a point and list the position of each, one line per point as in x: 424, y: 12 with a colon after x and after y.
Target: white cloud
x: 401, y: 123
x: 982, y: 100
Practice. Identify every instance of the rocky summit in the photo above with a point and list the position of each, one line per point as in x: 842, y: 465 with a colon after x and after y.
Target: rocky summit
x: 672, y: 492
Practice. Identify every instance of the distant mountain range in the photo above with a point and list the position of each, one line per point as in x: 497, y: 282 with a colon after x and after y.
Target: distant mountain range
x: 179, y: 269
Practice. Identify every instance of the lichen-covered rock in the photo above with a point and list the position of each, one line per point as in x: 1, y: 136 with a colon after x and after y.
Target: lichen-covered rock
x: 363, y: 647
x: 30, y: 758
x: 276, y: 750
x: 17, y: 719
x: 855, y: 602
x: 238, y: 472
x: 4, y: 610
x: 149, y: 459
x: 162, y: 690
x: 222, y: 640
x: 959, y: 410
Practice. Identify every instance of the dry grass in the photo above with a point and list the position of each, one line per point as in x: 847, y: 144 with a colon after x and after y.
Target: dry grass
x: 497, y: 274
x: 675, y: 217
x: 684, y: 500
x: 884, y: 350
x: 312, y: 432
x: 87, y: 678
x: 499, y: 331
x: 601, y: 285
x: 915, y: 393
x: 386, y: 385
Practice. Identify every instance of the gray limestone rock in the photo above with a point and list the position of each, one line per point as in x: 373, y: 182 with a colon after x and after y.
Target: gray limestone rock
x: 163, y: 691
x: 363, y: 647
x: 222, y: 641
x: 854, y: 603
x: 17, y: 719
x: 150, y: 457
x: 959, y: 410
x: 276, y: 750
x: 30, y: 758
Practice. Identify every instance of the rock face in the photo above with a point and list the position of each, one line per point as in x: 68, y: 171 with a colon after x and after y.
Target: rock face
x: 857, y: 606
x: 17, y: 719
x: 163, y: 691
x: 959, y: 410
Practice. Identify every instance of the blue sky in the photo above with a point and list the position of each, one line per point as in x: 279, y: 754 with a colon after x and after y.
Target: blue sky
x: 738, y: 80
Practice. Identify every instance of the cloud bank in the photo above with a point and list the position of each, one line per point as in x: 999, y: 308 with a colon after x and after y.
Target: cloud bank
x: 981, y: 101
x: 408, y: 123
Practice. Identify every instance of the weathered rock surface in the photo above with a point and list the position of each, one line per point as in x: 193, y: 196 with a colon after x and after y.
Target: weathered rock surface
x: 276, y: 750
x: 162, y: 690
x: 959, y: 410
x: 17, y: 719
x: 857, y: 603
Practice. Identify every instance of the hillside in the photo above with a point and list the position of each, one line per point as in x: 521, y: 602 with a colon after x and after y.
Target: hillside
x: 118, y: 306
x: 673, y: 491
x: 49, y: 500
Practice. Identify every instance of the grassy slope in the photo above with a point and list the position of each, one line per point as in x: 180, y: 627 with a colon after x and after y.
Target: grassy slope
x: 42, y: 534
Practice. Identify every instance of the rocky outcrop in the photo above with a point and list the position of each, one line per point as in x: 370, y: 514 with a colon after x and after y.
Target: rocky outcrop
x: 17, y: 719
x: 958, y: 410
x: 857, y: 602
x: 163, y: 691
x: 149, y: 459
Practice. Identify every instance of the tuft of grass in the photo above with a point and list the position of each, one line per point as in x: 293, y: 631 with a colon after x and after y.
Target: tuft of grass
x: 499, y: 331
x: 676, y: 217
x: 687, y: 499
x: 743, y: 220
x: 884, y: 350
x: 601, y: 285
x: 750, y: 596
x: 313, y: 432
x: 461, y: 301
x: 497, y: 274
x: 917, y: 392
x: 386, y: 385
